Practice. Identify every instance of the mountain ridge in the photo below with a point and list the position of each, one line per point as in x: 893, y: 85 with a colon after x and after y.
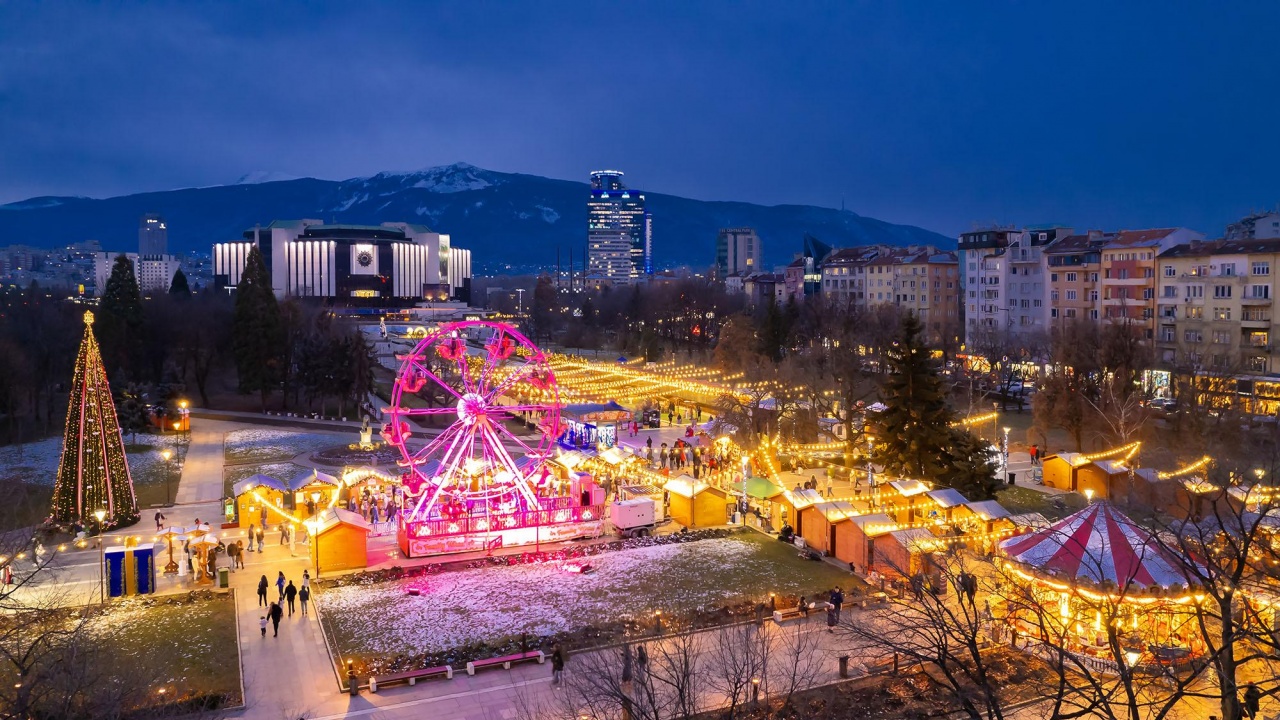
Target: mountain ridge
x: 512, y: 218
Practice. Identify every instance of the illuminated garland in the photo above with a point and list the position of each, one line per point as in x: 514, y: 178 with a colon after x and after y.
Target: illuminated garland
x: 975, y: 420
x: 1127, y: 450
x: 1189, y: 469
x: 93, y: 472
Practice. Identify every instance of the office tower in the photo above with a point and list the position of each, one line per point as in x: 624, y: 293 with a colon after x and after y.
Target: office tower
x: 619, y: 231
x: 153, y: 236
x: 738, y: 251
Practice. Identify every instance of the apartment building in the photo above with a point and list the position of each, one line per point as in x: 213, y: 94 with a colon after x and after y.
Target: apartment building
x: 1074, y: 267
x: 925, y: 280
x: 1128, y: 282
x: 1214, y: 306
x: 1005, y: 283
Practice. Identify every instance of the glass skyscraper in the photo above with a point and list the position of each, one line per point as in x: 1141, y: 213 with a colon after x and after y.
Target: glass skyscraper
x: 619, y: 231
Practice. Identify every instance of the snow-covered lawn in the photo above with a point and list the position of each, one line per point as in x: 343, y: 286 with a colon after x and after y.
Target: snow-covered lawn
x: 264, y: 445
x: 37, y: 462
x: 493, y: 603
x: 281, y: 471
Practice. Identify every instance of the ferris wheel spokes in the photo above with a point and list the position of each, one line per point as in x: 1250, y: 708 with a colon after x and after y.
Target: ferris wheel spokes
x: 423, y: 371
x: 500, y: 450
x: 512, y: 378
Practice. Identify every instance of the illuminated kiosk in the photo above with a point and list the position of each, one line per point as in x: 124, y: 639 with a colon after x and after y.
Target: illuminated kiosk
x: 477, y: 485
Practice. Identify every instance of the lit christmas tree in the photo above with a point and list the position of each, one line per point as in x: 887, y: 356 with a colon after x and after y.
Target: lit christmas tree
x: 93, y: 473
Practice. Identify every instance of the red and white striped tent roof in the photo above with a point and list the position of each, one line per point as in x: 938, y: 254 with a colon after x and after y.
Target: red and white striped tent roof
x: 1099, y: 543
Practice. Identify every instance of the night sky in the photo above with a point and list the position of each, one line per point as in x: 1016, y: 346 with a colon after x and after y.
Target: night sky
x: 936, y: 114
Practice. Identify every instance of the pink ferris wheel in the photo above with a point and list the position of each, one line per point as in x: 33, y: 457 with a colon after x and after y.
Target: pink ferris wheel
x: 478, y: 475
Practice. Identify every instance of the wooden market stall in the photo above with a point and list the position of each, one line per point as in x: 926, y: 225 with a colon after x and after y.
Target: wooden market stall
x: 791, y: 502
x: 904, y: 553
x: 856, y: 538
x: 765, y: 498
x: 1060, y: 470
x: 908, y: 499
x: 945, y: 501
x: 341, y: 540
x: 313, y: 491
x: 1103, y: 479
x: 250, y: 496
x: 819, y: 524
x: 695, y: 503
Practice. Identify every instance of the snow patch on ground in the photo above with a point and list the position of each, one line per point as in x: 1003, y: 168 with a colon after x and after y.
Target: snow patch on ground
x: 262, y: 444
x: 349, y: 202
x: 457, y: 608
x: 37, y: 462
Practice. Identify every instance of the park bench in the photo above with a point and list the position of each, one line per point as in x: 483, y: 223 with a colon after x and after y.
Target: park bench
x: 505, y: 661
x: 409, y: 676
x: 781, y: 616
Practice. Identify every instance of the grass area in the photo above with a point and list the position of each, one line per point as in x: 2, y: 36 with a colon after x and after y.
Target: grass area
x: 233, y: 474
x: 130, y: 655
x: 491, y: 604
x: 260, y: 445
x: 1019, y: 500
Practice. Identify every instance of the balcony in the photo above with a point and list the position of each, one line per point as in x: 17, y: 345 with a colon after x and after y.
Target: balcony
x: 1255, y: 300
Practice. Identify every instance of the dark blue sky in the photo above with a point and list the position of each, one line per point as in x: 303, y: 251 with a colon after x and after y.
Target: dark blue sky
x: 937, y: 114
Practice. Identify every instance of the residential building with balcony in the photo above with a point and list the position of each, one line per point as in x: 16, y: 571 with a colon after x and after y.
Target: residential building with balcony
x: 1073, y: 264
x: 924, y: 280
x: 1005, y: 291
x: 1214, y: 306
x: 1128, y: 282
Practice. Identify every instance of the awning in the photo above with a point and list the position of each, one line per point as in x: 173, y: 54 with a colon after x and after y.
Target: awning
x: 311, y: 477
x: 761, y: 488
x: 256, y: 481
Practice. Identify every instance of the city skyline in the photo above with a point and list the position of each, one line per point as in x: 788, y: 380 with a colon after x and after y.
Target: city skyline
x: 941, y: 119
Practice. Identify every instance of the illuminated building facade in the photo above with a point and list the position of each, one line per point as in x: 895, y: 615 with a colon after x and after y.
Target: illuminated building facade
x: 619, y: 231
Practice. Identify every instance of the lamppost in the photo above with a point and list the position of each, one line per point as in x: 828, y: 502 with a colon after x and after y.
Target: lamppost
x: 313, y: 526
x: 1006, y: 454
x: 167, y: 454
x: 185, y: 415
x: 871, y: 479
x: 101, y: 514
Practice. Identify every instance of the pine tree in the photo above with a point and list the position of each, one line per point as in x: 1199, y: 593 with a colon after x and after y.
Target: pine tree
x: 258, y: 336
x: 913, y: 433
x: 972, y: 468
x: 93, y: 473
x: 120, y: 321
x: 179, y: 287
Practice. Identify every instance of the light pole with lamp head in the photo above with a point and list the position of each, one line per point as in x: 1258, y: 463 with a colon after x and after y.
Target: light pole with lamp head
x: 101, y: 514
x: 313, y: 527
x: 167, y: 454
x: 1006, y: 454
x: 871, y: 480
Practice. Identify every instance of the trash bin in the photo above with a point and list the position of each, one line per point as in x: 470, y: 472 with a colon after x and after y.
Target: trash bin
x: 844, y: 666
x: 224, y: 577
x: 1012, y: 476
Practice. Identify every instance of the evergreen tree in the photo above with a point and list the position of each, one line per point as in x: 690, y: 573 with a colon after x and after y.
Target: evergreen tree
x: 93, y: 473
x: 257, y: 334
x: 179, y: 286
x: 972, y: 468
x: 913, y: 433
x: 120, y: 321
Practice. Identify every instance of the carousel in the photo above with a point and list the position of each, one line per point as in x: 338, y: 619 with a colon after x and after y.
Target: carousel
x: 1102, y: 587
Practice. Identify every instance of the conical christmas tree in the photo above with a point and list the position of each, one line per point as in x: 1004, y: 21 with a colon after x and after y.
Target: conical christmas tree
x: 93, y: 473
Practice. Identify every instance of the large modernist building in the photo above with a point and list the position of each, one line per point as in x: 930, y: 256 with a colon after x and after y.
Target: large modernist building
x: 360, y: 264
x: 738, y: 251
x: 619, y: 231
x: 153, y: 266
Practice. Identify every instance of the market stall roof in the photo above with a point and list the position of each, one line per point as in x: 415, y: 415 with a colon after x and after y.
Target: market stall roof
x: 570, y: 459
x: 308, y: 477
x: 635, y: 490
x: 1033, y: 520
x: 1099, y: 543
x: 257, y: 481
x: 909, y: 488
x: 915, y: 539
x: 1072, y: 459
x: 1111, y: 467
x: 763, y: 488
x: 947, y: 497
x: 801, y: 499
x: 685, y: 486
x: 877, y: 524
x: 612, y: 456
x: 367, y: 471
x: 581, y: 409
x: 836, y: 511
x: 987, y: 509
x: 335, y: 516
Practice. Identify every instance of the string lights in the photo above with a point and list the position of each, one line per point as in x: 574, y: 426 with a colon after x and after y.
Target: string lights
x: 1187, y: 470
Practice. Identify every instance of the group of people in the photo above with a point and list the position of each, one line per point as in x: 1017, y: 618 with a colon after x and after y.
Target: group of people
x: 289, y: 596
x: 375, y: 507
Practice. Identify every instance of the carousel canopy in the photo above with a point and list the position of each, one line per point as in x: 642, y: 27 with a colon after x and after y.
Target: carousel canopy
x: 257, y: 481
x: 312, y: 476
x: 1099, y: 543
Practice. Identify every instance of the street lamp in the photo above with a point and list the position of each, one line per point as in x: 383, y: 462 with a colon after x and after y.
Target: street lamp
x: 1088, y: 495
x: 313, y: 526
x: 168, y: 470
x: 1259, y: 472
x: 1006, y: 454
x: 101, y: 514
x: 871, y: 480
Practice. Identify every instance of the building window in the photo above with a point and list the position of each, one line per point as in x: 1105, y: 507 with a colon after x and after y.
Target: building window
x: 1071, y: 295
x: 1170, y: 271
x: 1259, y: 338
x: 1195, y: 291
x: 1195, y: 312
x: 1260, y: 291
x: 1072, y: 277
x: 1053, y: 312
x: 1228, y: 269
x: 1166, y: 334
x: 1170, y: 291
x: 1261, y: 267
x: 1148, y: 293
x: 1256, y: 364
x: 1192, y: 336
x: 1256, y: 314
x: 1222, y: 313
x: 1222, y: 291
x: 1221, y: 337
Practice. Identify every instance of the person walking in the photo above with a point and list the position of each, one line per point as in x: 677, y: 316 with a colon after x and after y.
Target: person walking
x: 306, y: 578
x: 240, y: 554
x: 290, y: 593
x: 252, y: 534
x: 303, y: 596
x: 276, y: 613
x: 262, y: 625
x: 233, y: 551
x: 262, y: 534
x: 284, y: 533
x: 159, y: 521
x: 557, y: 664
x: 837, y: 600
x: 262, y: 592
x: 280, y: 584
x: 830, y: 486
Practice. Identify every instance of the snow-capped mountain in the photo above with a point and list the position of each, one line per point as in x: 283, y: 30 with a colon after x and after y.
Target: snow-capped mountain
x: 501, y: 217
